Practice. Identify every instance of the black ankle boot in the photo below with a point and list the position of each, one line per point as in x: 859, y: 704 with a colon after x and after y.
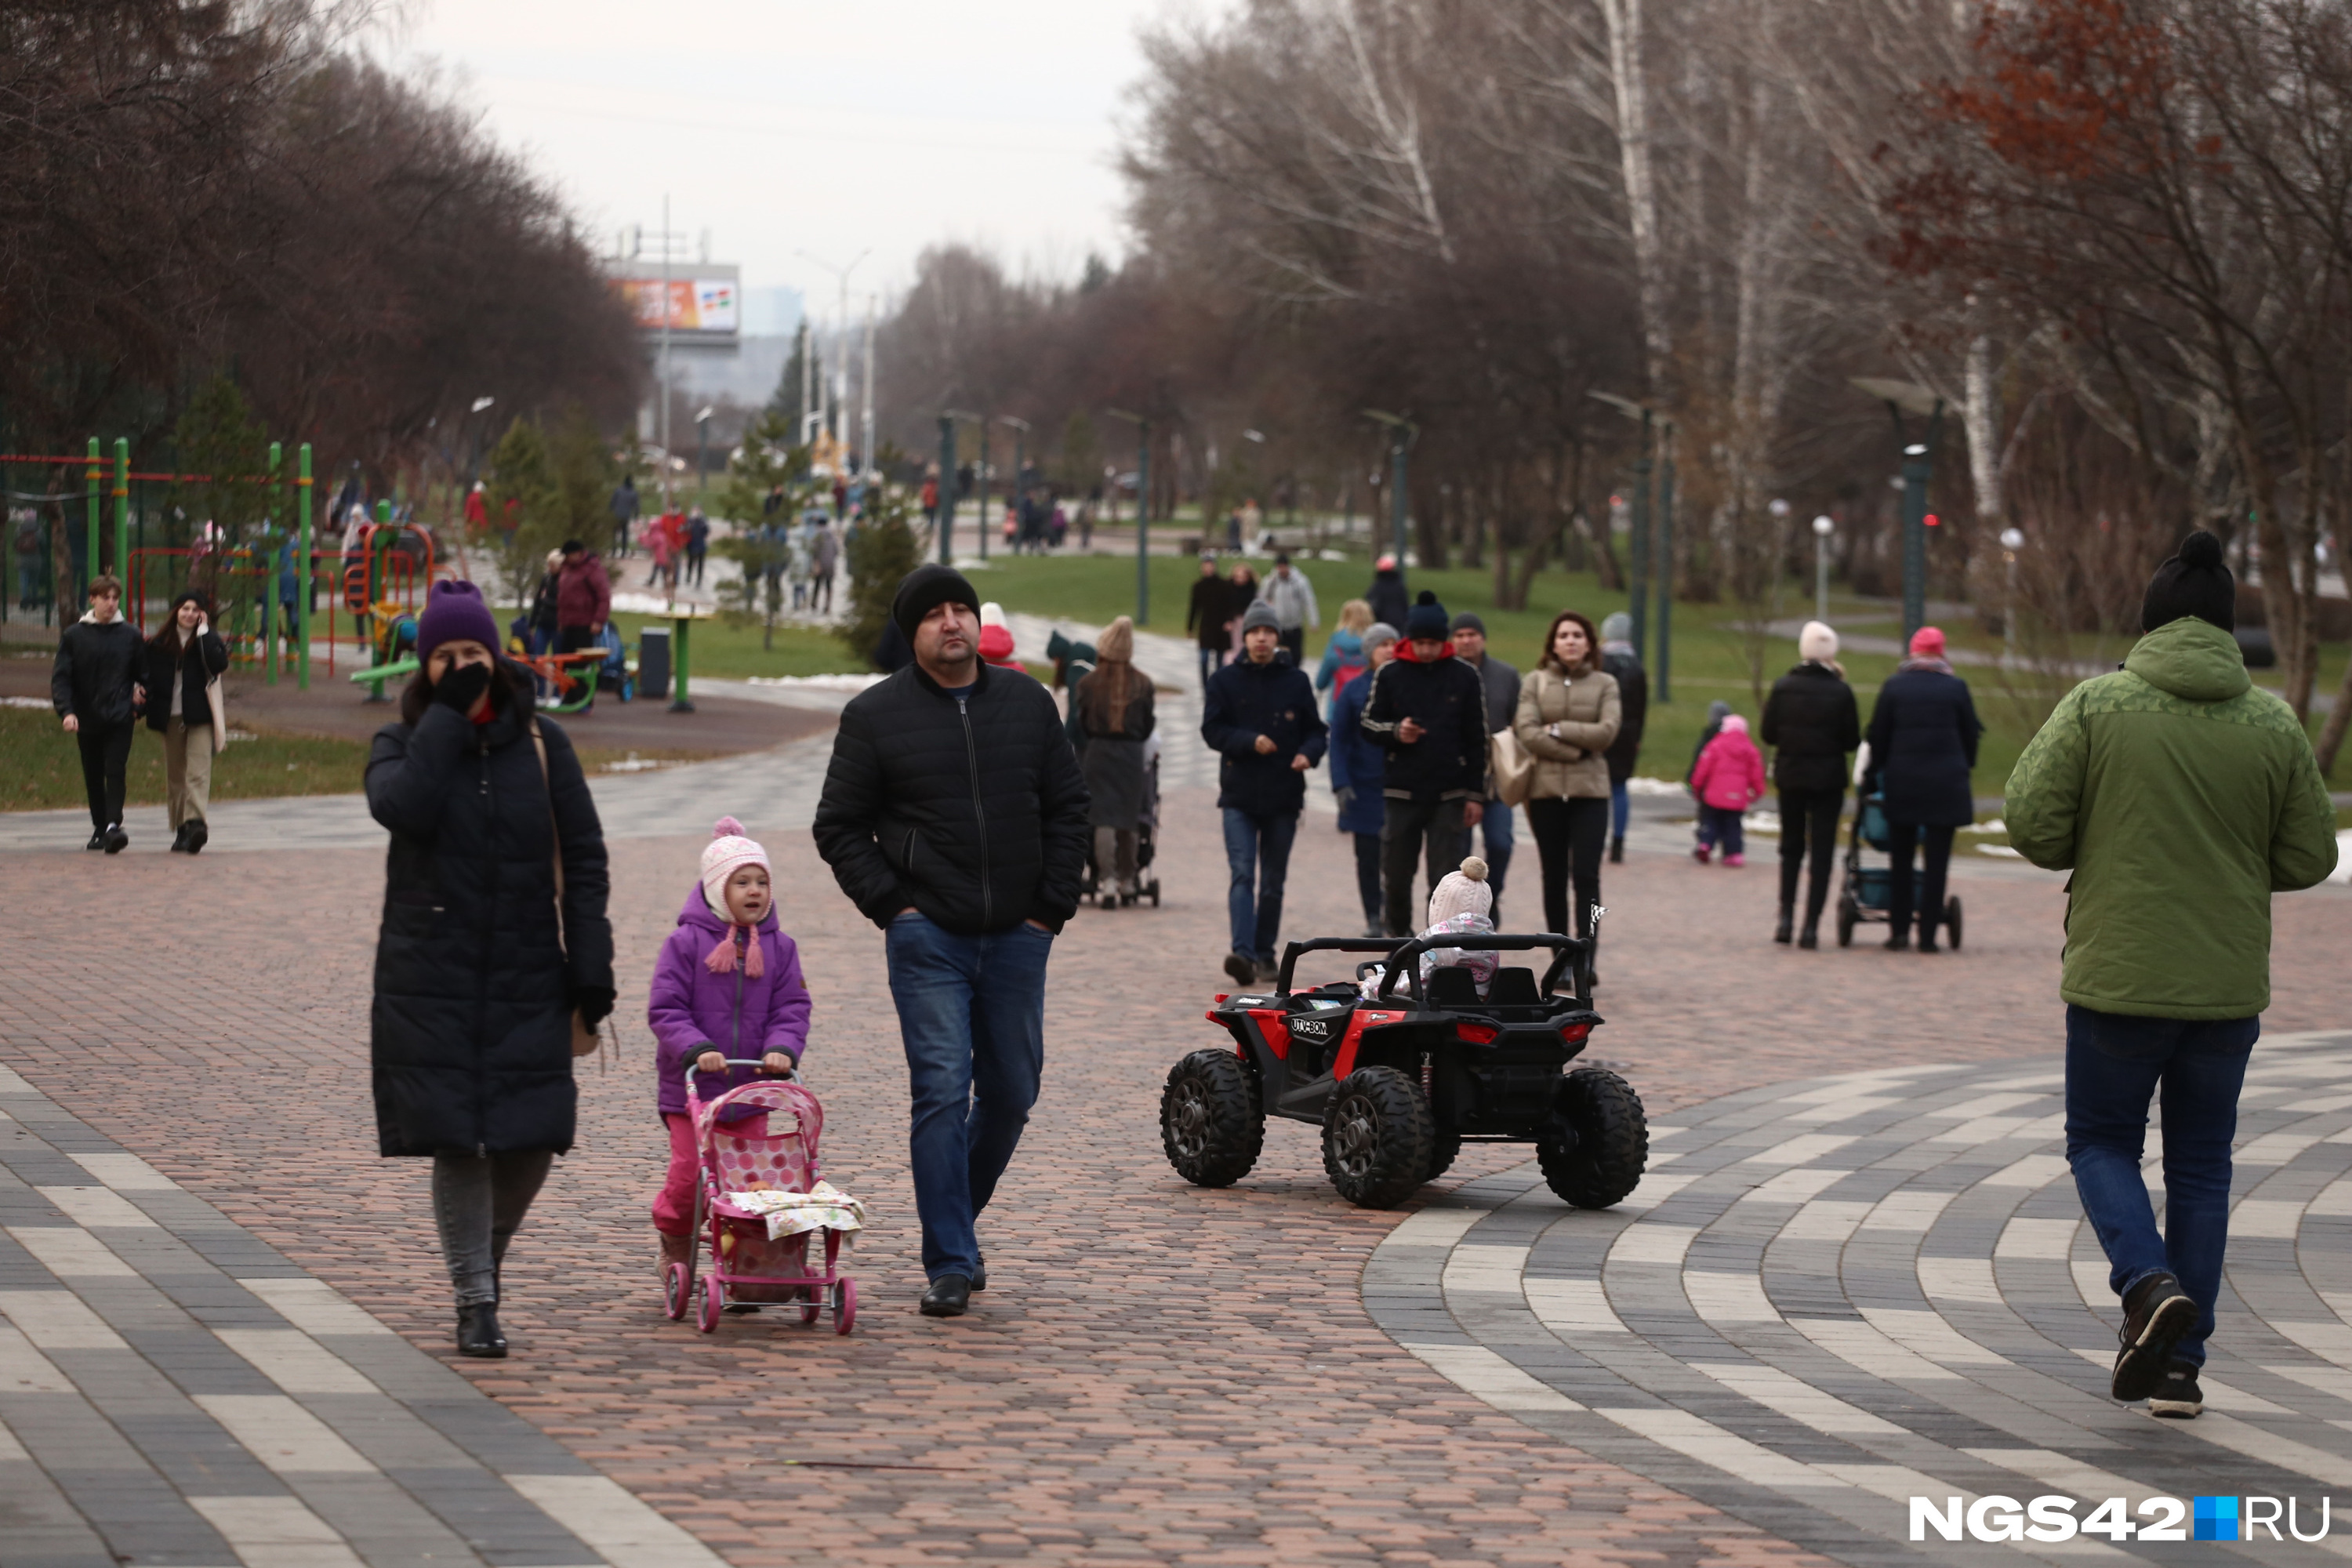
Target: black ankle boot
x: 1811, y: 937
x: 1617, y: 851
x: 180, y: 840
x: 1787, y: 921
x: 477, y: 1332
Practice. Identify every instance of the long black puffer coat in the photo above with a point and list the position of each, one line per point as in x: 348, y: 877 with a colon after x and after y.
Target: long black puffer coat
x: 969, y: 810
x: 1811, y: 719
x: 1923, y: 746
x: 471, y: 1032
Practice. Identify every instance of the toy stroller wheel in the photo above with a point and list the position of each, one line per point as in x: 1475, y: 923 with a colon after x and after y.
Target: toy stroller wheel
x: 1111, y: 900
x: 1211, y: 1121
x: 812, y: 1303
x: 845, y: 1304
x: 678, y: 1290
x: 714, y: 1300
x: 1154, y: 891
x: 1598, y: 1142
x: 1952, y: 923
x: 1376, y: 1137
x: 1846, y: 916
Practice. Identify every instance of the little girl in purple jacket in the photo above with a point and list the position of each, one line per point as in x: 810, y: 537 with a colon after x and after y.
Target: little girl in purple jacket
x: 727, y: 985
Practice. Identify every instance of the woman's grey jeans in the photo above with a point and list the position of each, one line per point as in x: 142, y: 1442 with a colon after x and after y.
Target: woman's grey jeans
x: 478, y: 1202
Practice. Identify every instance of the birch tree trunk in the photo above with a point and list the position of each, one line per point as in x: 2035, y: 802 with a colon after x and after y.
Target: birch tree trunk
x: 1628, y: 70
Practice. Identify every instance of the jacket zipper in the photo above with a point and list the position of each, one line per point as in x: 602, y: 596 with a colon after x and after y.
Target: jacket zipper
x: 482, y: 985
x: 978, y: 813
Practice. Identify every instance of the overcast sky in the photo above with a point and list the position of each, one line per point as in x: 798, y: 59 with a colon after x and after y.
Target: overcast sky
x: 784, y: 126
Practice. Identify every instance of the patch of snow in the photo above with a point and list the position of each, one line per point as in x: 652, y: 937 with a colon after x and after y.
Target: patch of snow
x: 1330, y: 555
x: 1638, y: 784
x: 2343, y: 872
x: 819, y: 682
x: 25, y: 703
x: 1992, y: 824
x: 2002, y: 850
x: 632, y: 764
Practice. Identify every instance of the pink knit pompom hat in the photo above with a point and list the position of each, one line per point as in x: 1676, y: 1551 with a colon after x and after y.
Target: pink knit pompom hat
x: 1463, y: 892
x: 728, y: 852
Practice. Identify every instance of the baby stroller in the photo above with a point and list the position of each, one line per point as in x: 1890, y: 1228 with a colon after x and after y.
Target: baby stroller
x: 1868, y: 891
x: 757, y: 1205
x: 616, y: 674
x: 1147, y: 826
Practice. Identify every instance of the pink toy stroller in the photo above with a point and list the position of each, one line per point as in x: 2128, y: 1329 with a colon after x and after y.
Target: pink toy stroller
x: 773, y: 1151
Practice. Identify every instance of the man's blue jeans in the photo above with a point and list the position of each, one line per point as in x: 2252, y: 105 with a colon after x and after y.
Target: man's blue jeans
x: 1621, y: 806
x: 2114, y: 1065
x: 971, y: 1015
x: 1495, y: 829
x: 1212, y: 660
x: 1256, y: 848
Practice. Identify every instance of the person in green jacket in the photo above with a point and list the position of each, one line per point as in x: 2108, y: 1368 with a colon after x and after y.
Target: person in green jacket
x: 2181, y: 797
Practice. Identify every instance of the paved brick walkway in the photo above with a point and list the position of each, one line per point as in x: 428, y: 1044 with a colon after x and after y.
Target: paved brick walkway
x: 1833, y: 1295
x: 1157, y: 1374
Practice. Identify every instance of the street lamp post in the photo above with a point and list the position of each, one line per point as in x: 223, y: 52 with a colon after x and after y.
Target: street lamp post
x: 1143, y: 512
x: 1822, y: 528
x: 980, y: 484
x: 1021, y: 429
x: 1401, y: 432
x: 1903, y: 397
x: 702, y: 451
x: 2012, y: 539
x: 943, y: 515
x: 1665, y: 572
x: 1638, y: 546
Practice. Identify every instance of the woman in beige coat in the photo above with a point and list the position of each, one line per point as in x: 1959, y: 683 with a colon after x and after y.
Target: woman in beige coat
x: 1568, y: 715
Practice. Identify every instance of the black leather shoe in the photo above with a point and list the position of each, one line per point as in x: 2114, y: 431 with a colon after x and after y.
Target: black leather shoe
x: 198, y: 836
x: 96, y: 840
x: 949, y: 1297
x: 1928, y: 943
x: 2157, y: 1313
x: 477, y: 1332
x: 1783, y: 933
x: 1810, y: 938
x: 978, y: 1272
x: 1616, y: 852
x: 1242, y: 967
x: 1899, y: 943
x: 180, y: 840
x: 116, y: 839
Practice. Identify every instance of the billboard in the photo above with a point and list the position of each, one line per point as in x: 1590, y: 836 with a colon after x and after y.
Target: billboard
x: 706, y: 305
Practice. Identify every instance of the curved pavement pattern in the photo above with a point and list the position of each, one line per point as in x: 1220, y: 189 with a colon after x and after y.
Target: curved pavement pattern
x: 1833, y: 1295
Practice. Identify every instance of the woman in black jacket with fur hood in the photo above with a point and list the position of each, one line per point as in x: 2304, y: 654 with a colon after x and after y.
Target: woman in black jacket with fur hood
x: 185, y: 661
x: 477, y: 982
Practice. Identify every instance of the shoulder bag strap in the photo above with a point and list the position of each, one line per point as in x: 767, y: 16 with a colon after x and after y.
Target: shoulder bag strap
x: 539, y: 744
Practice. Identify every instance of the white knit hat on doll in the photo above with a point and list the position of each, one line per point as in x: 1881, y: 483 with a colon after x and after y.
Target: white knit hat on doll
x: 1463, y: 892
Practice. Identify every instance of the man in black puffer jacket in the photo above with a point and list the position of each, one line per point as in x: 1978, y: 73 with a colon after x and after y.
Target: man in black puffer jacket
x: 1258, y: 714
x: 95, y: 687
x: 1428, y: 710
x: 955, y: 818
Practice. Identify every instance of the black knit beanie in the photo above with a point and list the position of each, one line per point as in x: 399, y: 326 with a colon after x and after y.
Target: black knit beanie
x: 1426, y: 620
x: 2193, y: 582
x: 926, y: 586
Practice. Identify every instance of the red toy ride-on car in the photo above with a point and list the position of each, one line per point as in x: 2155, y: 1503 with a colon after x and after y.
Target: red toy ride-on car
x: 1400, y: 1079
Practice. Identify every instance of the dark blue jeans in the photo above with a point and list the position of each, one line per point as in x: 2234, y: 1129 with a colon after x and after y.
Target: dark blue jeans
x: 971, y: 1015
x: 1257, y: 848
x: 1621, y: 806
x: 1494, y: 830
x: 2115, y: 1064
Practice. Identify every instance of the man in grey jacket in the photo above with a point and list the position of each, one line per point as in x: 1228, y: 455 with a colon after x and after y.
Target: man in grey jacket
x: 1292, y: 597
x: 1502, y: 684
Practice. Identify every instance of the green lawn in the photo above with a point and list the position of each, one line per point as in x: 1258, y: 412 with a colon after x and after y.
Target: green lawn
x: 42, y: 765
x: 735, y: 653
x: 1710, y: 657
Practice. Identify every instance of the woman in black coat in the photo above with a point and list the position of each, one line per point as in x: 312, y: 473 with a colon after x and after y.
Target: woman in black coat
x: 1812, y: 724
x: 475, y: 981
x: 1923, y: 746
x: 185, y: 661
x: 1113, y: 706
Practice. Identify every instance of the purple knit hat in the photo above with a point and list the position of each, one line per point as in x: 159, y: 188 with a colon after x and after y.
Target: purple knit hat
x: 455, y: 611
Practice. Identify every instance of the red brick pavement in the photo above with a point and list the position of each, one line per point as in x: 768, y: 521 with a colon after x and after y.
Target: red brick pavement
x: 1157, y: 1374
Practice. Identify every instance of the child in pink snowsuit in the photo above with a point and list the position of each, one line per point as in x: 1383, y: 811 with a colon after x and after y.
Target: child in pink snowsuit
x: 1729, y: 778
x: 727, y: 985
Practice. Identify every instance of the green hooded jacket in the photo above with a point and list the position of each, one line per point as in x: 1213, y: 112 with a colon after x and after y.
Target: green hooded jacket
x: 2181, y: 797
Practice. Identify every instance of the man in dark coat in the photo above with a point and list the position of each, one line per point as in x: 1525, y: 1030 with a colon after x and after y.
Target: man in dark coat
x: 478, y: 972
x: 94, y: 686
x: 1501, y: 682
x: 955, y: 818
x: 1428, y: 711
x: 1359, y: 768
x: 583, y: 601
x: 1619, y: 657
x: 1259, y: 715
x: 1923, y: 746
x: 1812, y: 722
x: 1386, y: 596
x: 1209, y: 616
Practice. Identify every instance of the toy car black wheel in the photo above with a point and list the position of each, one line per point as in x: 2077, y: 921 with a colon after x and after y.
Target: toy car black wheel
x: 1211, y: 1121
x: 1598, y: 1143
x: 1377, y: 1134
x: 1847, y: 915
x: 1952, y: 923
x: 1154, y: 891
x: 1444, y: 1147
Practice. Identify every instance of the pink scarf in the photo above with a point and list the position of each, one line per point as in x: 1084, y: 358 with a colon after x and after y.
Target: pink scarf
x: 739, y: 939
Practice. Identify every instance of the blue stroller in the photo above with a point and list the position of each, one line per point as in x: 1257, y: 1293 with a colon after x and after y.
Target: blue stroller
x: 1868, y: 890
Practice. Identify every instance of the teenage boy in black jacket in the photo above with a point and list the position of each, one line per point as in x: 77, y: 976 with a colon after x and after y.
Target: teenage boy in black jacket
x: 95, y: 687
x: 1428, y: 711
x: 1259, y: 714
x: 955, y: 818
